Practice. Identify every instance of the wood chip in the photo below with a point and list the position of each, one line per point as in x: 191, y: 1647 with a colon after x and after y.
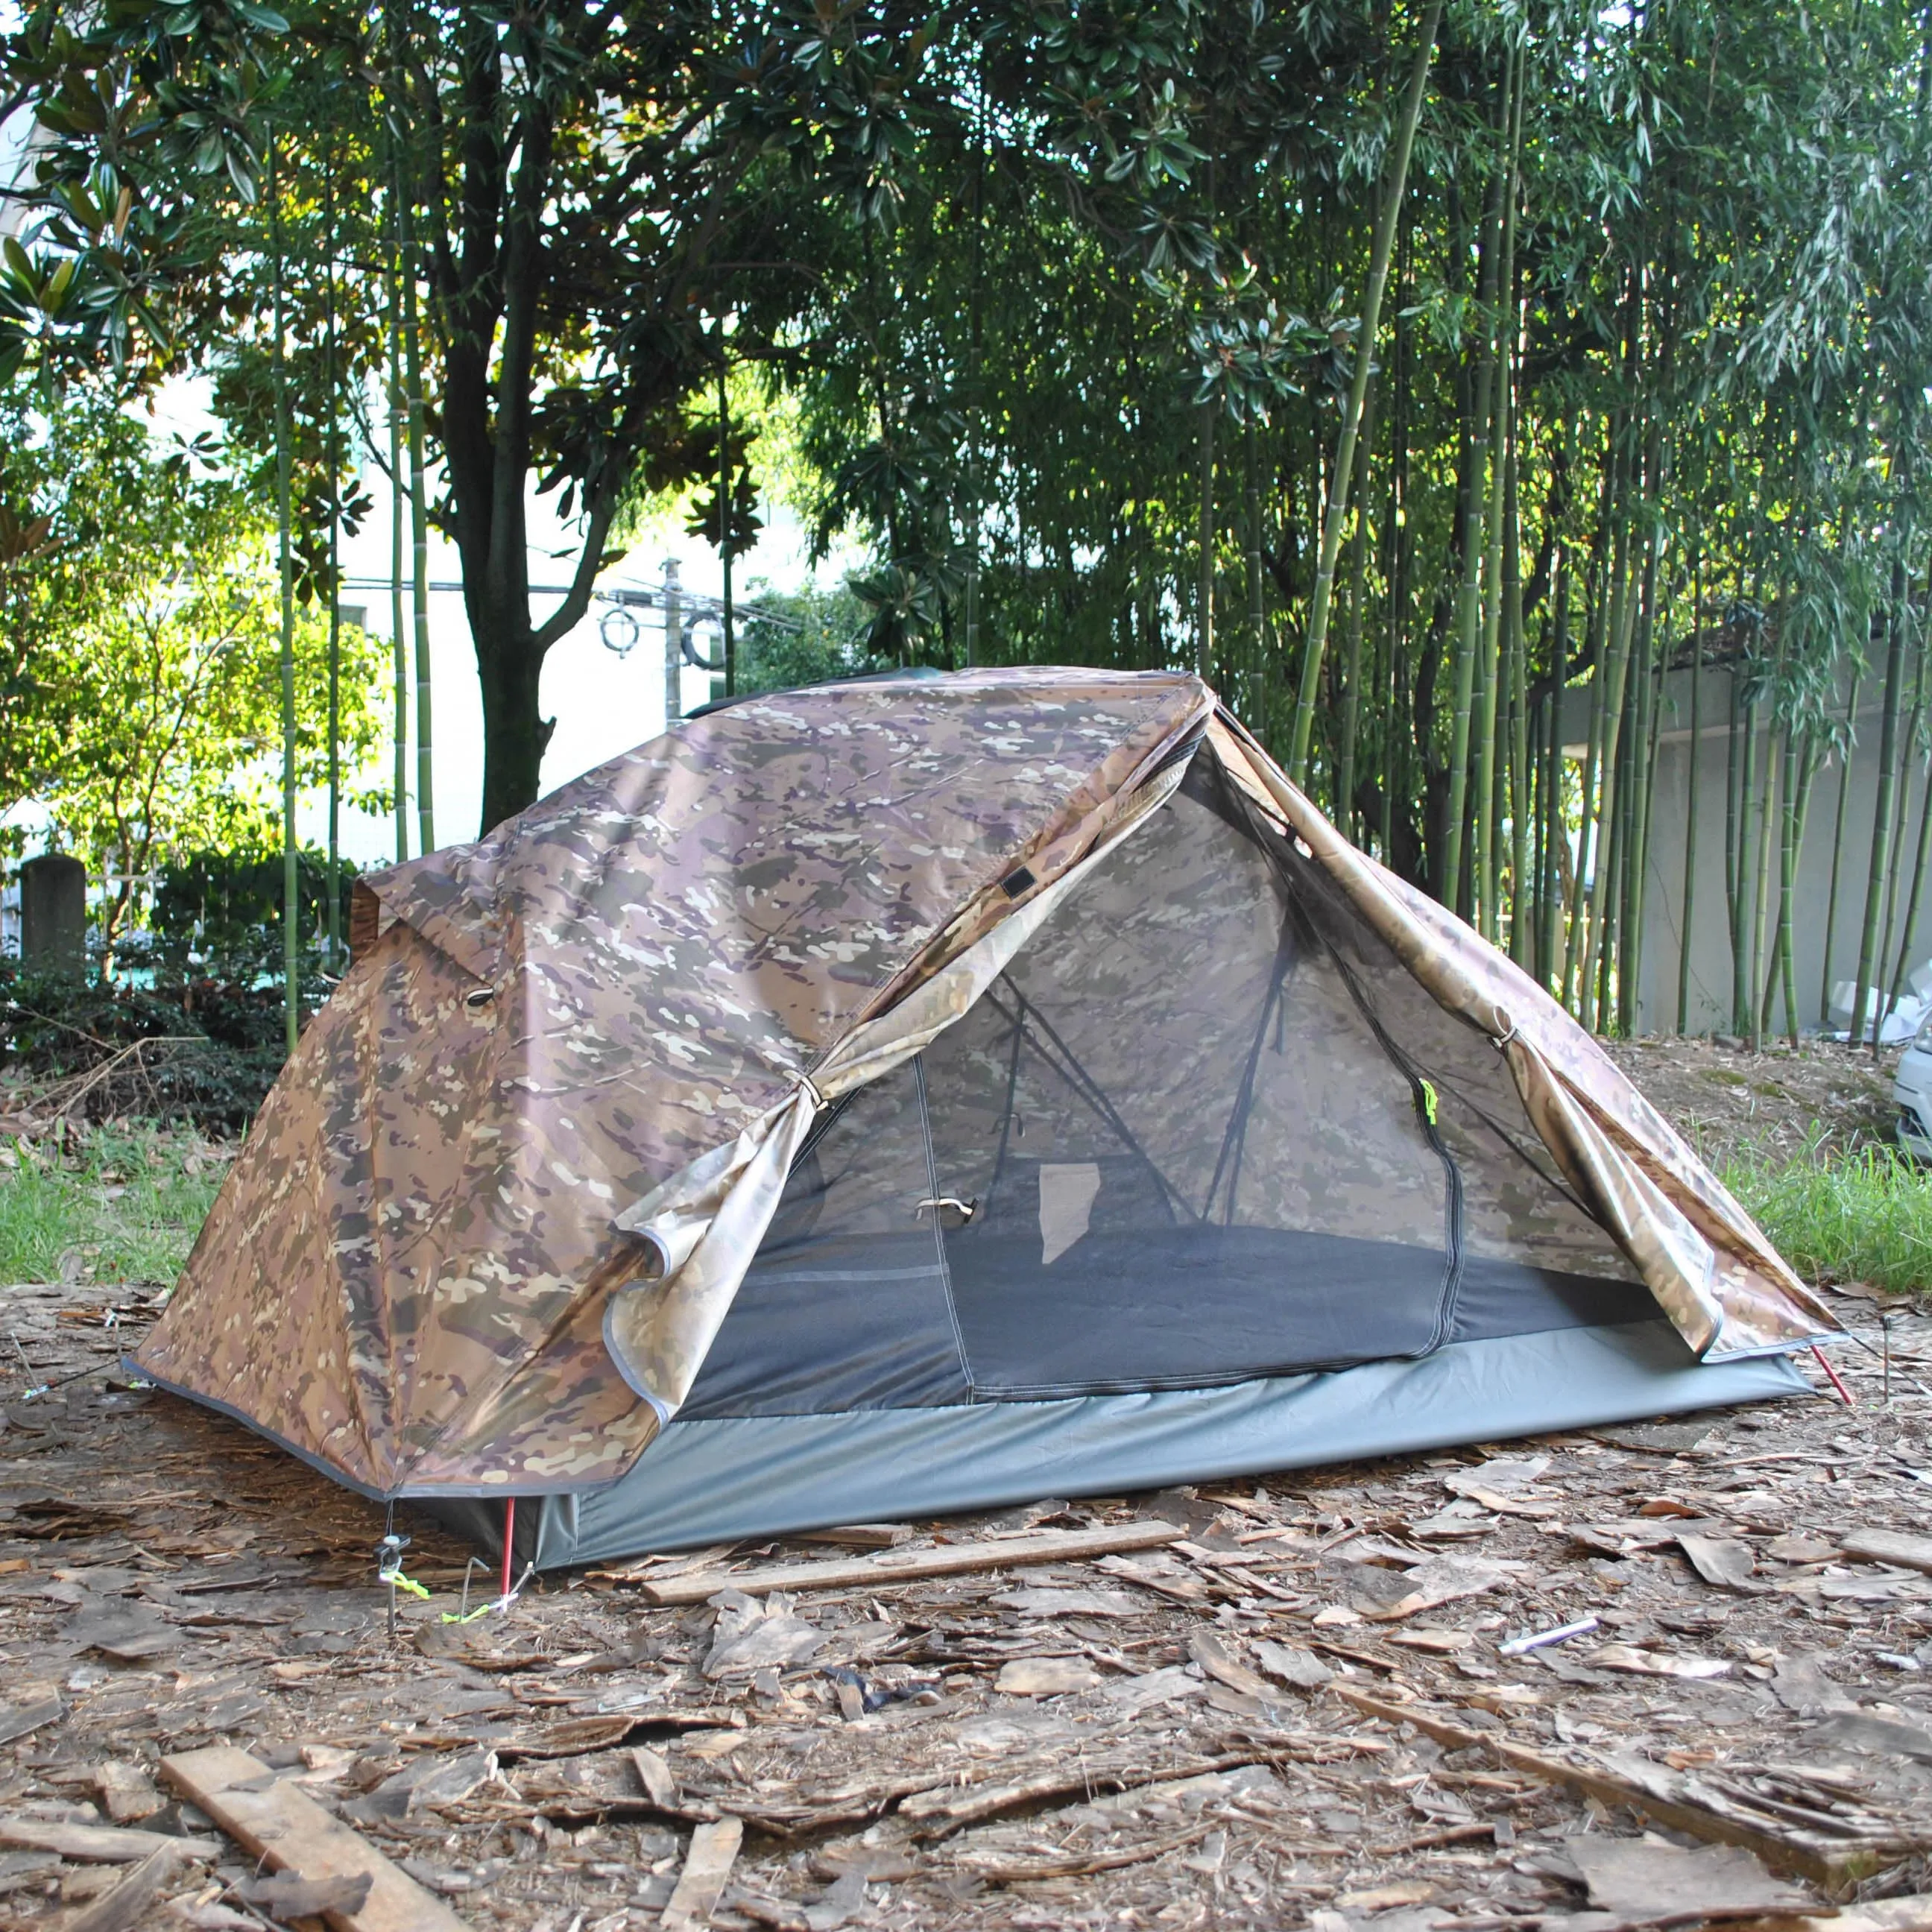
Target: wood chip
x: 96, y: 1844
x: 1046, y: 1677
x: 892, y: 1567
x: 707, y: 1867
x: 17, y: 1721
x: 126, y: 1906
x: 1889, y: 1546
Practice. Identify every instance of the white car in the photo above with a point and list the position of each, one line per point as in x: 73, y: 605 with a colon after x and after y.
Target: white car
x: 1912, y: 1088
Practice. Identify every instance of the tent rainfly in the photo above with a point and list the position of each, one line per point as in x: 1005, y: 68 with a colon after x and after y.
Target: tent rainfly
x: 899, y: 1097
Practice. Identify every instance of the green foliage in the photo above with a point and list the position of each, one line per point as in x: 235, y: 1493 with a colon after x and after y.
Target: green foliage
x: 205, y: 1055
x: 790, y: 638
x: 112, y: 1205
x: 168, y: 681
x: 216, y: 917
x: 1864, y: 1216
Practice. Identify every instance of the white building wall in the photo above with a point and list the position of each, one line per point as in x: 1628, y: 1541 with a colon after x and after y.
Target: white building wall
x: 1677, y: 761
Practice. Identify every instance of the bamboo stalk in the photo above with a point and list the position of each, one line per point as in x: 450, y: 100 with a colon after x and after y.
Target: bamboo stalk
x: 1257, y: 583
x: 1204, y: 606
x: 285, y: 556
x: 1521, y: 785
x: 1838, y: 842
x: 332, y: 910
x: 1878, y: 867
x: 1594, y: 600
x: 1620, y: 624
x: 398, y: 630
x: 1352, y: 662
x: 1387, y: 215
x: 1745, y: 729
x: 1907, y: 739
x: 1501, y: 430
x: 1550, y: 964
x: 1468, y: 610
x: 1692, y: 761
x: 413, y: 375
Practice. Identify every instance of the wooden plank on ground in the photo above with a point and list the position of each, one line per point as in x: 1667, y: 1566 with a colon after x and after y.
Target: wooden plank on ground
x: 1889, y: 1546
x: 888, y: 1566
x: 707, y: 1866
x: 1837, y: 1865
x: 278, y: 1822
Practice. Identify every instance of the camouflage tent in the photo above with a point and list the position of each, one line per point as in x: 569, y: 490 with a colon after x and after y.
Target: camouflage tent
x: 896, y: 1097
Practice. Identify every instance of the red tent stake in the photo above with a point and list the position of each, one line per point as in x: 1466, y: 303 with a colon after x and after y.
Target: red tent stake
x: 1834, y: 1374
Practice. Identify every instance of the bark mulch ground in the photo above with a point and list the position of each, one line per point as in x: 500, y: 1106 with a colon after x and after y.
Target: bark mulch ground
x: 1304, y: 1707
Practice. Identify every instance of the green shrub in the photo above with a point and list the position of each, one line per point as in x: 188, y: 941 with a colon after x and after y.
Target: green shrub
x: 204, y: 1055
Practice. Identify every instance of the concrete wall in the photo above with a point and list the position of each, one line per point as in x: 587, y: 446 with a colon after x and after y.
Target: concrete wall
x: 1679, y: 762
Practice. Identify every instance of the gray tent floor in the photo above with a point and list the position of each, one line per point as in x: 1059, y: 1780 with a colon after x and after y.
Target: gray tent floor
x: 714, y: 1480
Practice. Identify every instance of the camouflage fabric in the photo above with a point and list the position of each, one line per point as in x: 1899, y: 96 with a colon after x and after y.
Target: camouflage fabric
x: 1724, y: 1287
x: 407, y: 1274
x: 499, y: 1201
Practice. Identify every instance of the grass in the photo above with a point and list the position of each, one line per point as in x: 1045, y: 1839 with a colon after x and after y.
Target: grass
x: 119, y: 1205
x: 1862, y: 1216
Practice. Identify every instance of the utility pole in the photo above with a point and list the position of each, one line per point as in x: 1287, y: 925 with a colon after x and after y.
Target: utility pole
x: 674, y: 611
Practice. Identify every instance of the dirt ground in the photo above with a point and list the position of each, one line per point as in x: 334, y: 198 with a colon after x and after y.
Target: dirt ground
x: 1301, y: 1711
x: 1724, y: 1099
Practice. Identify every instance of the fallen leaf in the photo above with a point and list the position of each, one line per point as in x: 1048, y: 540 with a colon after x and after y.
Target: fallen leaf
x: 1798, y: 1549
x: 1722, y: 1560
x: 1441, y: 1579
x: 1132, y: 1694
x: 1213, y: 1656
x: 1799, y: 1683
x: 1293, y: 1665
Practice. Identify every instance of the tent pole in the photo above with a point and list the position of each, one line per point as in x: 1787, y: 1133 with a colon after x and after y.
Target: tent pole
x: 509, y: 1534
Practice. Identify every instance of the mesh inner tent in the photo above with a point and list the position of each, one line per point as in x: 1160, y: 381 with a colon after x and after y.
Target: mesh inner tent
x: 1205, y: 1128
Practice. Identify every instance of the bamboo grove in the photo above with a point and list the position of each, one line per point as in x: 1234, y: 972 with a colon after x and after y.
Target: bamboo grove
x: 1475, y: 394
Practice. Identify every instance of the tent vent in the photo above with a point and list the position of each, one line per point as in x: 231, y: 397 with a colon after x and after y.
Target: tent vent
x: 1015, y: 883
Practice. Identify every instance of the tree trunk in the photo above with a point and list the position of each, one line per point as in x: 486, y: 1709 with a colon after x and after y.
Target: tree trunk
x: 1501, y: 431
x: 284, y: 532
x: 1522, y: 787
x: 1907, y: 739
